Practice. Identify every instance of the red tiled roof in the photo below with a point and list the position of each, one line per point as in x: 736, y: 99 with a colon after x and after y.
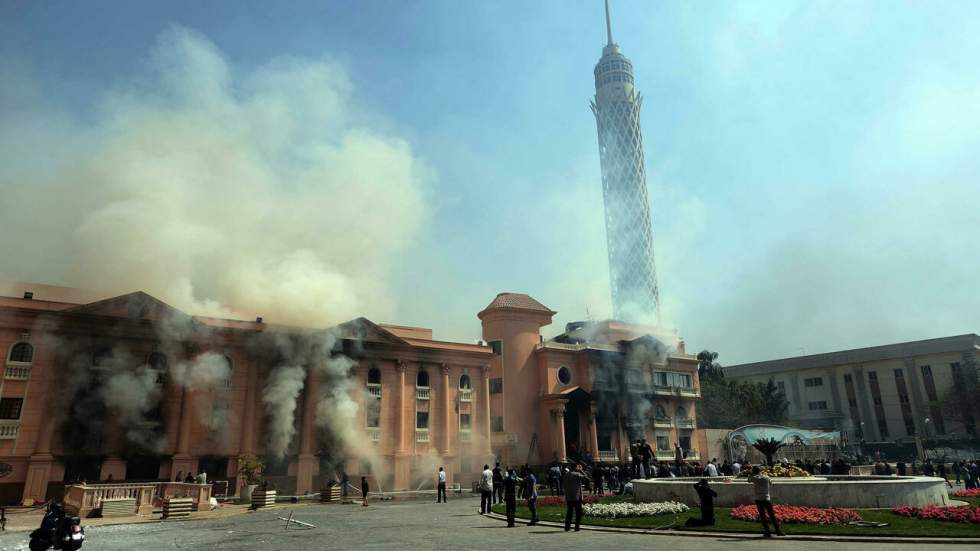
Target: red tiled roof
x: 518, y: 301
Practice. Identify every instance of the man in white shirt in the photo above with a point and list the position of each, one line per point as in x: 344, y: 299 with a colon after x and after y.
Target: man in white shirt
x: 711, y: 469
x: 441, y: 488
x: 486, y: 490
x: 736, y: 468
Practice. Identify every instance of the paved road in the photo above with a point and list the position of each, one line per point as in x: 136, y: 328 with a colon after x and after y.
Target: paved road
x: 401, y: 525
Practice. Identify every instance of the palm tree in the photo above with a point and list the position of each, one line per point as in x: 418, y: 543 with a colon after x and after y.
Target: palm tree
x: 768, y: 447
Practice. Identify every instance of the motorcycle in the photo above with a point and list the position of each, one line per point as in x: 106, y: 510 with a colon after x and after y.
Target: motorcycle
x: 67, y: 535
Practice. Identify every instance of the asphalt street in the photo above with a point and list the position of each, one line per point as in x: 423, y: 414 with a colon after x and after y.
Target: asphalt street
x: 401, y: 525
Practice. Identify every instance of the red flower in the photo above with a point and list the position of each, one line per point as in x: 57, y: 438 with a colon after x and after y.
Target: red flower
x: 975, y: 492
x: 964, y: 514
x: 798, y: 515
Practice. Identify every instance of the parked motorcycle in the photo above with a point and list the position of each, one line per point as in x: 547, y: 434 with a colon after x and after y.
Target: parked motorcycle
x: 67, y: 534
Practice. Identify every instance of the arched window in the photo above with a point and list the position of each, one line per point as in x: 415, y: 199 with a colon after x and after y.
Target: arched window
x: 422, y: 379
x: 230, y: 371
x: 464, y: 382
x: 21, y: 352
x: 681, y: 413
x: 157, y: 362
x: 661, y: 412
x: 374, y: 376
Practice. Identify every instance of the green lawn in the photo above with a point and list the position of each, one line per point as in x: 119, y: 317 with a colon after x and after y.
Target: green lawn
x: 898, y: 525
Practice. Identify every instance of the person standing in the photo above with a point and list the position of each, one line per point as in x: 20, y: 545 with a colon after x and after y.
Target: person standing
x: 956, y: 471
x: 364, y: 490
x: 531, y: 494
x: 441, y: 488
x: 763, y: 502
x: 510, y: 496
x: 486, y: 490
x: 636, y: 459
x: 647, y: 454
x: 573, y: 496
x: 498, y: 484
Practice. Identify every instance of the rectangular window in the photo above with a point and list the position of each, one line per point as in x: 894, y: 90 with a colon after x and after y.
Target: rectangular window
x: 10, y: 408
x: 497, y: 424
x: 883, y: 428
x: 663, y: 441
x: 847, y: 378
x: 685, y: 380
x: 929, y: 383
x: 813, y: 381
x: 497, y: 347
x: 464, y: 421
x: 814, y: 406
x: 852, y: 402
x: 422, y: 420
x: 782, y: 387
x: 496, y: 385
x: 872, y: 376
x: 659, y: 378
x: 909, y: 426
x: 373, y: 413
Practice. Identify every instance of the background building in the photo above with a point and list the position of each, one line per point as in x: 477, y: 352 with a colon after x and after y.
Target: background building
x: 893, y: 392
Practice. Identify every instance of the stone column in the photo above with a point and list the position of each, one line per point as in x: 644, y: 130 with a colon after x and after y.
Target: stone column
x: 183, y: 461
x: 560, y: 429
x: 39, y: 464
x: 485, y: 398
x: 248, y: 414
x: 447, y: 409
x: 306, y: 460
x: 402, y: 475
x: 594, y: 431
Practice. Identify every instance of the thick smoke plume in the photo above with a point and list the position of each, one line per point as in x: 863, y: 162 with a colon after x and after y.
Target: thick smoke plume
x: 281, y: 399
x: 220, y: 189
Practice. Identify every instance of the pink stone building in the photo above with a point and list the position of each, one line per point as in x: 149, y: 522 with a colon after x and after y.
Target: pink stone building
x: 130, y: 388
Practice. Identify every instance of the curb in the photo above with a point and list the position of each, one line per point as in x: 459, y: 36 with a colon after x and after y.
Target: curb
x: 744, y: 536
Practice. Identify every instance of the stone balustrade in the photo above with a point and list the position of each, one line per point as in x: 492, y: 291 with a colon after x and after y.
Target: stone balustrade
x: 83, y: 499
x: 422, y: 393
x: 608, y: 456
x: 465, y: 395
x: 9, y: 429
x: 421, y: 435
x: 374, y: 434
x: 14, y: 372
x: 374, y: 390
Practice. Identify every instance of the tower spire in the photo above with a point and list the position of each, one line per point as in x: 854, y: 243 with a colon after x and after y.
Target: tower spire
x: 608, y: 25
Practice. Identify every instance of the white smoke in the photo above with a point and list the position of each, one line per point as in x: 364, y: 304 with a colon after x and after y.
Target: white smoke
x: 220, y: 189
x: 280, y: 397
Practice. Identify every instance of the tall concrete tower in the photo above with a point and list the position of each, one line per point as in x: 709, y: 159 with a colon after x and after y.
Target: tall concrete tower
x: 629, y: 237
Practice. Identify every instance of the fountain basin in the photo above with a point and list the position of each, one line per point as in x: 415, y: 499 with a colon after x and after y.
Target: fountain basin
x: 865, y: 492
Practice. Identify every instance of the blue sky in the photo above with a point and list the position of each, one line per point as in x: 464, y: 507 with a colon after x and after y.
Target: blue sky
x: 812, y: 165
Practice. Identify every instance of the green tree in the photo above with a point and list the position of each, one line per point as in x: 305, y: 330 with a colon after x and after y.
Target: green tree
x: 773, y: 404
x: 768, y: 447
x: 708, y: 368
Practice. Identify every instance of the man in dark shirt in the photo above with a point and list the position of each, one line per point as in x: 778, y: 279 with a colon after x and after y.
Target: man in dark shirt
x: 364, y: 490
x: 573, y: 496
x: 707, y: 496
x: 498, y: 484
x: 531, y: 494
x: 510, y: 496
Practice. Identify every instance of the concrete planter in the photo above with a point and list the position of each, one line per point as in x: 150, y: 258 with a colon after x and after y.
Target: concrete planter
x: 263, y: 498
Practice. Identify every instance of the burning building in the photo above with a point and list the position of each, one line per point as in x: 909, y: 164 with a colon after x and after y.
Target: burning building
x: 130, y: 388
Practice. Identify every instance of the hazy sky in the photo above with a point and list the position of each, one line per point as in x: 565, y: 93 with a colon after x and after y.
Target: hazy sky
x: 813, y: 166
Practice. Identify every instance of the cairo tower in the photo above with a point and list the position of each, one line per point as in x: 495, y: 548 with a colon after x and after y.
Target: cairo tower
x: 629, y: 237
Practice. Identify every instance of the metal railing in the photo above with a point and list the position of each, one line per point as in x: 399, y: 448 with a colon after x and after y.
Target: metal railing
x: 465, y: 395
x: 374, y: 390
x: 421, y: 435
x: 17, y: 372
x: 374, y: 434
x: 9, y: 429
x: 662, y: 422
x: 422, y: 392
x: 608, y: 456
x: 684, y: 423
x: 664, y: 455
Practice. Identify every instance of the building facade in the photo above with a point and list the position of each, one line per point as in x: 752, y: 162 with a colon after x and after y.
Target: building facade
x: 888, y: 393
x: 590, y: 390
x: 128, y: 388
x: 629, y: 236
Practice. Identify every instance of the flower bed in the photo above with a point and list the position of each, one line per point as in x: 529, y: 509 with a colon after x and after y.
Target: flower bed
x: 560, y: 500
x: 626, y: 509
x: 964, y: 514
x: 798, y: 515
x: 791, y: 471
x: 975, y: 492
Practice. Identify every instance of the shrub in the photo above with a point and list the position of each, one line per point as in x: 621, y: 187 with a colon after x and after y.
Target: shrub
x: 791, y: 471
x: 798, y: 515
